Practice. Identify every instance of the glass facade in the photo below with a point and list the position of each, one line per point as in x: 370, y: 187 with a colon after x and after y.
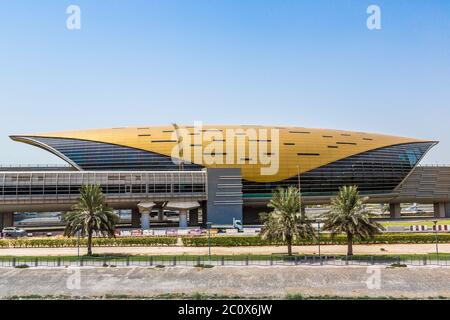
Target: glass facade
x: 375, y: 171
x: 90, y: 155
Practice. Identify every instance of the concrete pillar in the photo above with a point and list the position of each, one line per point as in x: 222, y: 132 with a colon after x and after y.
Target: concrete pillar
x: 447, y: 209
x: 183, y: 218
x: 145, y: 220
x: 395, y: 210
x: 6, y: 220
x: 161, y: 215
x: 145, y: 208
x: 439, y: 209
x: 204, y: 213
x: 182, y: 207
x: 135, y: 218
x: 251, y: 214
x: 303, y: 210
x: 193, y: 217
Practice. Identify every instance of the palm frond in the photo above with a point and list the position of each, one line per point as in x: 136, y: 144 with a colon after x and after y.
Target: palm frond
x: 285, y: 222
x: 90, y: 214
x: 348, y: 215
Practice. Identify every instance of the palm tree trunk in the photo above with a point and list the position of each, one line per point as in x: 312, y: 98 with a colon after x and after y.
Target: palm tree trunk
x: 349, y: 244
x: 89, y: 243
x: 289, y: 245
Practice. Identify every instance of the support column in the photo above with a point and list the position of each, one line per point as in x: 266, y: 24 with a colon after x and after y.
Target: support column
x: 447, y: 209
x: 193, y: 217
x: 161, y: 215
x: 395, y: 210
x: 204, y: 213
x: 182, y: 207
x: 145, y: 208
x: 303, y: 210
x: 183, y: 218
x: 439, y: 209
x: 6, y: 220
x: 145, y: 220
x: 135, y: 218
x: 251, y: 215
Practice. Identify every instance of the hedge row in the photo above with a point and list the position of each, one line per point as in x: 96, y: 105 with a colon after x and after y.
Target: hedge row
x: 218, y: 241
x: 385, y: 238
x: 226, y: 241
x: 97, y: 242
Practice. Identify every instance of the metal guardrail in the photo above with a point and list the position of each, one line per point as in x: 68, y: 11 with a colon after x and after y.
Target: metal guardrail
x: 433, y: 165
x: 31, y: 167
x: 204, y: 261
x: 7, y: 166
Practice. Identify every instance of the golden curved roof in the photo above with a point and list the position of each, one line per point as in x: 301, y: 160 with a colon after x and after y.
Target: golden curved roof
x: 300, y: 149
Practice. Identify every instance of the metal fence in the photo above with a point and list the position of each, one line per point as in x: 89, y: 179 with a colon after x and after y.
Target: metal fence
x: 205, y: 261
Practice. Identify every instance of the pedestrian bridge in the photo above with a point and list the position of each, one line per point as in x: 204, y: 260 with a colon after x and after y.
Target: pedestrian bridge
x: 217, y: 192
x: 59, y: 190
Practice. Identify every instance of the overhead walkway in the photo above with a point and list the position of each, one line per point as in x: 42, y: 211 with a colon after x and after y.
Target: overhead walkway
x: 215, y: 191
x: 425, y: 185
x: 184, y: 192
x: 59, y: 190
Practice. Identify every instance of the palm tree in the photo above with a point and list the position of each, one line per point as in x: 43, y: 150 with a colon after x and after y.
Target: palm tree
x: 348, y: 215
x: 285, y: 222
x: 90, y: 214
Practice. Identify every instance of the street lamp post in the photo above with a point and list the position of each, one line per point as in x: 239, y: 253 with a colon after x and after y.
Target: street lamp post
x: 208, y: 226
x: 318, y: 240
x: 299, y: 185
x: 78, y: 245
x: 436, y: 236
x: 302, y: 214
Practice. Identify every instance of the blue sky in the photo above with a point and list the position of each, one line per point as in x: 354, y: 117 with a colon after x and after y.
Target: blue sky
x: 302, y: 63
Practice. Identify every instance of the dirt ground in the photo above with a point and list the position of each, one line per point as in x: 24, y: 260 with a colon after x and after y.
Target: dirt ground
x: 328, y: 249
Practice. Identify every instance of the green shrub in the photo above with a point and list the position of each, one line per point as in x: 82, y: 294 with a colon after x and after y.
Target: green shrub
x: 216, y: 241
x: 98, y: 242
x: 138, y: 241
x: 384, y: 238
x: 225, y: 241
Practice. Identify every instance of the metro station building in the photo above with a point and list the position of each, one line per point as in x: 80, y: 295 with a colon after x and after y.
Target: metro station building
x: 224, y: 172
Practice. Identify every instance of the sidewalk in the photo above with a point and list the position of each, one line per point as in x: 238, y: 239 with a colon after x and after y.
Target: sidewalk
x: 325, y: 249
